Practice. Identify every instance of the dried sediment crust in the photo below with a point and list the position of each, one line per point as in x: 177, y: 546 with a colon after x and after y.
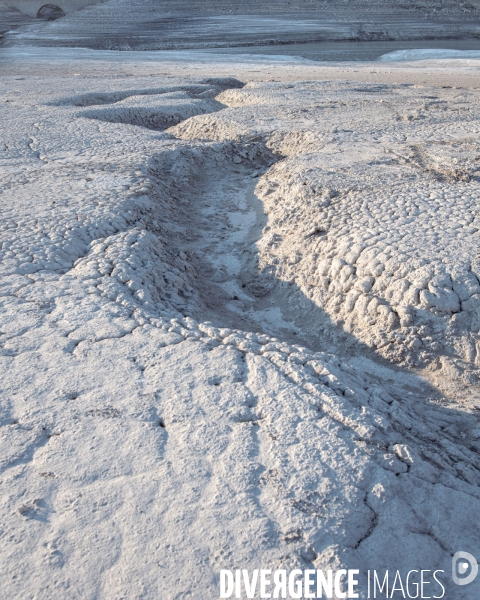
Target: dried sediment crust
x: 400, y: 272
x: 372, y: 208
x: 145, y: 447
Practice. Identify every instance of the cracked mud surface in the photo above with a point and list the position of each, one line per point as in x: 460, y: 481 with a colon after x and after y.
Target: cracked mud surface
x: 194, y: 304
x: 398, y: 269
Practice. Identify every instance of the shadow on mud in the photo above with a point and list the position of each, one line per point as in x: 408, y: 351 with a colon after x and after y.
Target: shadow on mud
x: 418, y: 414
x: 257, y: 302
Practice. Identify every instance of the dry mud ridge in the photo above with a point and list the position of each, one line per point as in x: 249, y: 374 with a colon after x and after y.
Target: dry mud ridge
x: 210, y: 295
x: 163, y: 24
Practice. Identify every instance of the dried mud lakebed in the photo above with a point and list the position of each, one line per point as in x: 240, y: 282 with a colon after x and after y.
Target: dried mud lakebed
x: 239, y: 328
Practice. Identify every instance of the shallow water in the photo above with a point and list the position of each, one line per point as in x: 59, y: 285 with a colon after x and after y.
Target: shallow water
x: 358, y: 51
x: 276, y: 53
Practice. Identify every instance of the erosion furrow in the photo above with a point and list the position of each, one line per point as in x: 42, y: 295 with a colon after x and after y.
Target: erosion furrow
x: 213, y: 412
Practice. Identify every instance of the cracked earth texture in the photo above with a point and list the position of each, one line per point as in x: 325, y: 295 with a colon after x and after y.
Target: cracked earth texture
x: 229, y: 310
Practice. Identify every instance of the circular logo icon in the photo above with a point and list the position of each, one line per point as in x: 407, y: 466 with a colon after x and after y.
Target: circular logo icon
x: 462, y: 562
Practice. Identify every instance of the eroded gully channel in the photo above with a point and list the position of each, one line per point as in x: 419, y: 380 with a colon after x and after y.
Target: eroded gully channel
x: 227, y: 219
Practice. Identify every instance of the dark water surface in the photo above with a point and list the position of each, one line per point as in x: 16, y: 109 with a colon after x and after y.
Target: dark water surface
x: 340, y: 51
x: 353, y: 51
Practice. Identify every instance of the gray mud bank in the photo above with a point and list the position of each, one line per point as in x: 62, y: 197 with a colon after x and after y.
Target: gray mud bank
x: 140, y: 25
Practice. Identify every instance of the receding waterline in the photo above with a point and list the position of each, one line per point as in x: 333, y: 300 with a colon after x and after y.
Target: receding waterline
x: 365, y: 51
x: 328, y: 51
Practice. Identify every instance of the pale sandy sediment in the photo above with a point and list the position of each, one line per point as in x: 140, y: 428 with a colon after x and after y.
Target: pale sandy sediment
x: 216, y: 289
